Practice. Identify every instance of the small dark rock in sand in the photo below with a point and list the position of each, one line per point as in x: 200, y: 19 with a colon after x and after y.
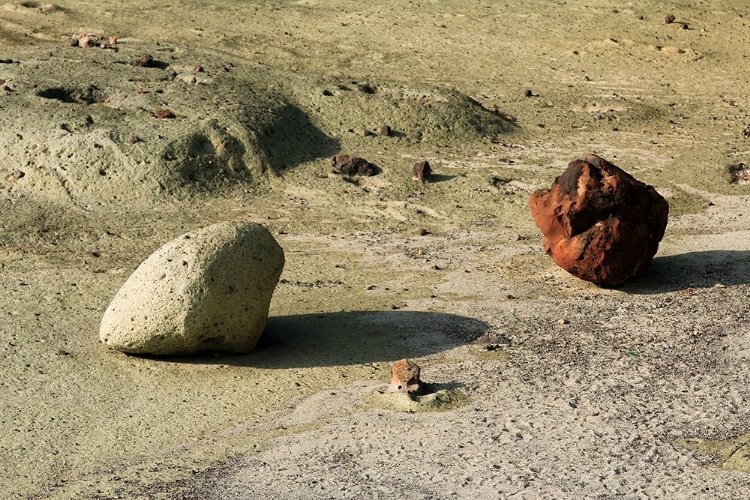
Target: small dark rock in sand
x: 669, y: 19
x: 368, y: 133
x: 198, y: 69
x: 134, y: 139
x: 385, y: 131
x: 422, y: 171
x: 164, y: 113
x: 17, y: 174
x: 422, y: 232
x: 353, y: 165
x: 745, y: 133
x: 600, y: 223
x: 2, y: 82
x: 146, y: 61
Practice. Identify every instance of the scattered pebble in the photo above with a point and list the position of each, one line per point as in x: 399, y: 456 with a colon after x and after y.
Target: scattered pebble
x: 146, y: 61
x: 528, y: 93
x: 18, y: 174
x: 422, y: 172
x: 422, y: 232
x: 385, y: 131
x: 163, y: 113
x: 134, y: 139
x: 745, y: 132
x: 669, y: 19
x: 353, y: 165
x: 87, y: 41
x: 198, y: 69
x: 563, y: 321
x: 368, y: 133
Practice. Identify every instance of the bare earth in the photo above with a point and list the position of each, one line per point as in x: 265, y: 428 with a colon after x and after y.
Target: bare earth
x: 639, y: 392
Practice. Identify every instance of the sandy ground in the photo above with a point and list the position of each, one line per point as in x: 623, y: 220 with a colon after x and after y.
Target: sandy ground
x: 642, y: 393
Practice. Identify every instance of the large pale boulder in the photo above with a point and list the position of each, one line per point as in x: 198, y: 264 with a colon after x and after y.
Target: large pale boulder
x: 206, y: 291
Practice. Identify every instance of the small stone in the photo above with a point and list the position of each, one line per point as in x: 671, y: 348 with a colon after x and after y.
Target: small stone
x: 353, y: 165
x: 385, y: 131
x: 146, y: 61
x: 368, y: 133
x: 405, y: 377
x: 685, y: 26
x: 562, y: 321
x: 134, y: 139
x: 87, y: 41
x: 528, y: 93
x: 421, y: 232
x: 63, y: 352
x: 745, y: 132
x: 163, y: 114
x: 2, y: 82
x: 73, y: 42
x: 719, y: 285
x: 669, y: 19
x: 112, y: 40
x: 198, y: 69
x: 18, y: 174
x: 422, y: 172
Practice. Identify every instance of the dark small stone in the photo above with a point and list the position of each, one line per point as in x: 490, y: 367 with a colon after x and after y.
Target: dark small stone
x: 96, y: 254
x: 134, y: 139
x: 163, y: 113
x: 436, y: 267
x: 73, y: 42
x: 17, y: 174
x: 353, y: 165
x: 327, y: 93
x: 669, y: 19
x: 685, y: 26
x: 422, y: 232
x: 63, y: 352
x: 528, y: 93
x: 422, y: 172
x: 198, y: 69
x: 2, y: 82
x: 746, y: 132
x: 146, y: 61
x: 385, y: 131
x: 366, y: 88
x: 367, y: 133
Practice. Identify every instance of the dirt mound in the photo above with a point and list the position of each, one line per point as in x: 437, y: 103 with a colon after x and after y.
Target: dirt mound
x: 92, y: 127
x: 411, y: 111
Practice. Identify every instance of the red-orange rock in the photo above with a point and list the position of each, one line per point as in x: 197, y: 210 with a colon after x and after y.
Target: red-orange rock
x: 599, y: 222
x: 405, y: 377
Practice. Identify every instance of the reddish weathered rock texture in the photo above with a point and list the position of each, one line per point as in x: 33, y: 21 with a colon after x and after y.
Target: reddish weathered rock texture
x: 599, y: 222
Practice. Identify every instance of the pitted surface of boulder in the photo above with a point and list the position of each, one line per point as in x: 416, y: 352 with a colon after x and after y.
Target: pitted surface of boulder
x: 205, y: 291
x: 405, y: 377
x: 599, y: 222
